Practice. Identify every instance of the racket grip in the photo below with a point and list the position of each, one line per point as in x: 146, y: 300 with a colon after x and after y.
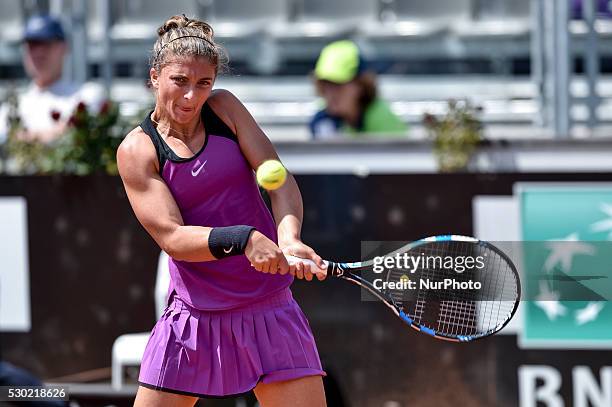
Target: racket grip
x: 293, y: 260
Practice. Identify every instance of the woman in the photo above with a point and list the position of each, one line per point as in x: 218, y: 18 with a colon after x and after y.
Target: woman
x: 352, y: 105
x: 231, y: 324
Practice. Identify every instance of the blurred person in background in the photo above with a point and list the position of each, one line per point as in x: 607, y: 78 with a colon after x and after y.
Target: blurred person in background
x: 16, y: 377
x: 352, y: 105
x: 45, y: 107
x: 603, y: 9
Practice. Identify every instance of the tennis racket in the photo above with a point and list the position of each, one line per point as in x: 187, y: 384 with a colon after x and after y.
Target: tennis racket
x: 438, y: 295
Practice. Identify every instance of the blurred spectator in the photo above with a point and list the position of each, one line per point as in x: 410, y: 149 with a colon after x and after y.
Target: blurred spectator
x: 12, y: 376
x: 603, y: 9
x: 351, y: 102
x: 47, y: 104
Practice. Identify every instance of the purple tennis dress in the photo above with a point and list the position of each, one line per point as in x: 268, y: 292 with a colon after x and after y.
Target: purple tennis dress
x: 227, y: 325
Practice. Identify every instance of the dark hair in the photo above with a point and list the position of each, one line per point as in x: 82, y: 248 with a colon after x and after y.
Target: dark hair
x: 183, y: 36
x: 367, y: 85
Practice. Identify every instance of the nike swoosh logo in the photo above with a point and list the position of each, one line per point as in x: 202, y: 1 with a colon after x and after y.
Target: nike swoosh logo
x: 228, y: 251
x: 196, y: 171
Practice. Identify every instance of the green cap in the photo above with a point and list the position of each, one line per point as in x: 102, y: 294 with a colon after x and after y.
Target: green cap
x: 339, y: 62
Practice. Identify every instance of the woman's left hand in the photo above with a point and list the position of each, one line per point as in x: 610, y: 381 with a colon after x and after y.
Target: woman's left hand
x: 301, y: 269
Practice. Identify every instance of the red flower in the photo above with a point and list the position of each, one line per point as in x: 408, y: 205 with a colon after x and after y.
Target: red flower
x: 105, y: 107
x: 74, y: 121
x: 429, y: 120
x: 81, y: 107
x: 55, y: 115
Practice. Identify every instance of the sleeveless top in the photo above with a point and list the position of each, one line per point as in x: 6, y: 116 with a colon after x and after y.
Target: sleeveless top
x: 216, y: 187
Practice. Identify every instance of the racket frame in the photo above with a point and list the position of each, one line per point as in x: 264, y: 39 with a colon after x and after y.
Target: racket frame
x: 347, y: 271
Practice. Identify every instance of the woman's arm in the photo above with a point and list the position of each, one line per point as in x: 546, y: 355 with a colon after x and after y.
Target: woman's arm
x: 159, y: 214
x: 153, y: 203
x: 286, y: 201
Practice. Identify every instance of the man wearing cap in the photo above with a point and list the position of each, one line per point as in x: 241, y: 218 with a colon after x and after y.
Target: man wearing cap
x: 47, y: 104
x: 352, y: 105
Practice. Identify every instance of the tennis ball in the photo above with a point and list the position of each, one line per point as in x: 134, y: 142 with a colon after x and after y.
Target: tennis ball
x: 271, y: 175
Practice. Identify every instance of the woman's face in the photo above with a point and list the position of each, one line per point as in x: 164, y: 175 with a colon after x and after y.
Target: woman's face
x: 182, y: 86
x: 341, y: 100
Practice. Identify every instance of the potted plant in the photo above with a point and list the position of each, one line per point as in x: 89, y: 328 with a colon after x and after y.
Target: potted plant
x: 88, y: 144
x: 455, y: 135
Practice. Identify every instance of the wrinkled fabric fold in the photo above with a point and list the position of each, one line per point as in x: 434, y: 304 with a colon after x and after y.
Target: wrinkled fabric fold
x: 224, y: 353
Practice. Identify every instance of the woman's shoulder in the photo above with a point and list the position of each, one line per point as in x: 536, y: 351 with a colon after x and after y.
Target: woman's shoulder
x: 223, y: 99
x: 137, y: 146
x: 225, y: 105
x: 135, y: 139
x: 222, y: 96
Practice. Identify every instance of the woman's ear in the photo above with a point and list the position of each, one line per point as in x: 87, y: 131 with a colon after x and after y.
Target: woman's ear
x: 154, y: 78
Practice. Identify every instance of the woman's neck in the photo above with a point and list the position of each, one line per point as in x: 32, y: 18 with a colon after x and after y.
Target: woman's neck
x: 169, y: 128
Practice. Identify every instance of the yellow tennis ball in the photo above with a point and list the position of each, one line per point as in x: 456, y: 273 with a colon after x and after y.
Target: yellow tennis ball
x: 271, y: 175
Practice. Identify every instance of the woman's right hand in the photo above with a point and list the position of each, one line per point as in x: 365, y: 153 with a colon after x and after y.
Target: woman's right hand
x: 265, y: 255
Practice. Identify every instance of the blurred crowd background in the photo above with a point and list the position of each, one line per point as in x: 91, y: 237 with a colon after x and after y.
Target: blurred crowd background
x: 536, y: 68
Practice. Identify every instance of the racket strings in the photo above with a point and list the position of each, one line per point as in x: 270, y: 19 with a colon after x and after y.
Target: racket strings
x: 457, y: 317
x: 459, y: 312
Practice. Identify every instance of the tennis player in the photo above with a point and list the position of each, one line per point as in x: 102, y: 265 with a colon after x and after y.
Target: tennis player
x: 231, y: 325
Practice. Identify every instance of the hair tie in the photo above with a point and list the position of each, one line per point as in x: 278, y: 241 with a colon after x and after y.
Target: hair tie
x: 178, y: 38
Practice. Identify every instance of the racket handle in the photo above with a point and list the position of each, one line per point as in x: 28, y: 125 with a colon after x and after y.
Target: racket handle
x: 293, y: 260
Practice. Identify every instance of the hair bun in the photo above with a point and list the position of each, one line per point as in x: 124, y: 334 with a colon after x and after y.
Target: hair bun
x: 182, y: 21
x: 184, y: 36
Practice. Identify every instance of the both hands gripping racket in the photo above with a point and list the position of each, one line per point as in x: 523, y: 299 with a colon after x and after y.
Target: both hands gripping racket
x: 435, y: 299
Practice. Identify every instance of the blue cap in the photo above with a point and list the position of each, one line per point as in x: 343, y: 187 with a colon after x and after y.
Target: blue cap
x: 43, y: 27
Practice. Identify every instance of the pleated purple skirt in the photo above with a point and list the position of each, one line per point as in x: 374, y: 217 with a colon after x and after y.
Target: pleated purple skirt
x: 224, y: 353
